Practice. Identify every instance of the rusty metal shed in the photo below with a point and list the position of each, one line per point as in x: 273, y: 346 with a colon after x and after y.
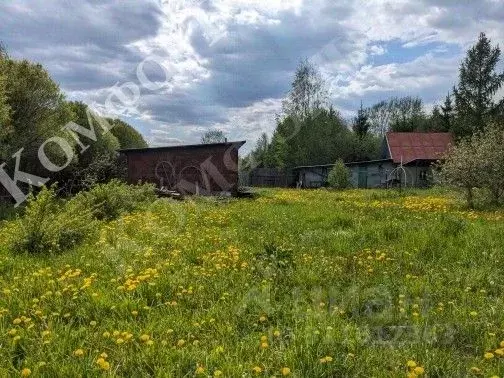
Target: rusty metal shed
x: 191, y: 169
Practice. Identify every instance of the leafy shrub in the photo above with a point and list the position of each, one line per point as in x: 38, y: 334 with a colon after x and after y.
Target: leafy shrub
x: 477, y: 162
x: 109, y: 201
x: 339, y: 177
x: 48, y: 225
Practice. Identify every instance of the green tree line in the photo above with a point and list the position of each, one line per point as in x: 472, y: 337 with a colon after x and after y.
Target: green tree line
x: 310, y: 131
x: 33, y: 109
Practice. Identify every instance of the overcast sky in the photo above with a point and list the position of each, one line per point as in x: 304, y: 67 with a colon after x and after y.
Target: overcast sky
x: 230, y: 62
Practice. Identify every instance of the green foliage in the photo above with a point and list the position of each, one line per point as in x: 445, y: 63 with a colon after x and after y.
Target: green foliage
x: 475, y: 102
x: 339, y: 177
x: 98, y: 163
x: 48, y: 225
x: 37, y: 111
x: 478, y: 162
x: 127, y: 136
x: 277, y: 152
x: 361, y: 123
x: 260, y: 154
x: 408, y: 114
x: 106, y: 142
x: 213, y: 136
x: 5, y: 127
x: 448, y: 114
x: 461, y: 168
x: 400, y: 114
x: 108, y: 201
x: 490, y: 146
x: 308, y: 92
x: 33, y: 109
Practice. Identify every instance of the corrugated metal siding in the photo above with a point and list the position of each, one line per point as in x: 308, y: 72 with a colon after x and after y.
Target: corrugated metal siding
x: 376, y: 174
x: 418, y: 146
x: 207, y: 168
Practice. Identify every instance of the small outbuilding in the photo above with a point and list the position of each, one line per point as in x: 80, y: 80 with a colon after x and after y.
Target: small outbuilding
x: 204, y: 169
x: 406, y: 159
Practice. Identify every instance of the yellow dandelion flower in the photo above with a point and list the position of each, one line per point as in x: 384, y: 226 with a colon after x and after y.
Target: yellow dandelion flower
x: 276, y: 333
x: 17, y: 321
x: 264, y: 338
x: 217, y: 373
x: 78, y: 353
x: 181, y: 343
x: 119, y: 341
x: 285, y: 371
x: 499, y: 352
x: 104, y: 365
x: 257, y: 370
x: 263, y: 318
x: 411, y: 364
x: 264, y: 345
x: 144, y: 338
x: 488, y: 355
x: 200, y: 370
x: 419, y: 370
x: 26, y: 372
x: 325, y: 359
x: 106, y: 334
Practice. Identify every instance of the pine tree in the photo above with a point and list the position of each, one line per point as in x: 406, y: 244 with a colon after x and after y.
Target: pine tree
x: 260, y: 152
x: 478, y: 82
x: 447, y: 114
x: 361, y: 123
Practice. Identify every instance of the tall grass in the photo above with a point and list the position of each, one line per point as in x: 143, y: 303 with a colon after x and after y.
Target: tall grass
x: 301, y: 283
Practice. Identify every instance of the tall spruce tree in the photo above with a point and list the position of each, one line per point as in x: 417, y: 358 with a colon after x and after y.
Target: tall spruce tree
x: 447, y: 113
x: 475, y: 103
x: 361, y: 123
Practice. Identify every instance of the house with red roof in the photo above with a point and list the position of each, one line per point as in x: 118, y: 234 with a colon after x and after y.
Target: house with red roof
x: 407, y: 160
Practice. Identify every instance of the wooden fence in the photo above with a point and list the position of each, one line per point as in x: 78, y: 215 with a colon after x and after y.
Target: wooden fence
x: 268, y: 177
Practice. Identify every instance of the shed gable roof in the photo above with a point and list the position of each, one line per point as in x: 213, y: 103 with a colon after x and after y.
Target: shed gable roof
x: 236, y: 144
x: 407, y: 147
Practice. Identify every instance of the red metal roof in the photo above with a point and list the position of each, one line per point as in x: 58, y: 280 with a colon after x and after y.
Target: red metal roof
x: 418, y: 146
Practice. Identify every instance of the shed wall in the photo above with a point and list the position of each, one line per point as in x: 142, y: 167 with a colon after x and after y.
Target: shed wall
x: 205, y: 169
x: 370, y: 175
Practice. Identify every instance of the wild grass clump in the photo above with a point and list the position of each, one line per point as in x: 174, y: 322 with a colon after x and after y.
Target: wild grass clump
x: 108, y: 201
x: 52, y: 225
x: 48, y: 225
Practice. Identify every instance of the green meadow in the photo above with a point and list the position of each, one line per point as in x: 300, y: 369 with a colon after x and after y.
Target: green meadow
x: 291, y: 283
